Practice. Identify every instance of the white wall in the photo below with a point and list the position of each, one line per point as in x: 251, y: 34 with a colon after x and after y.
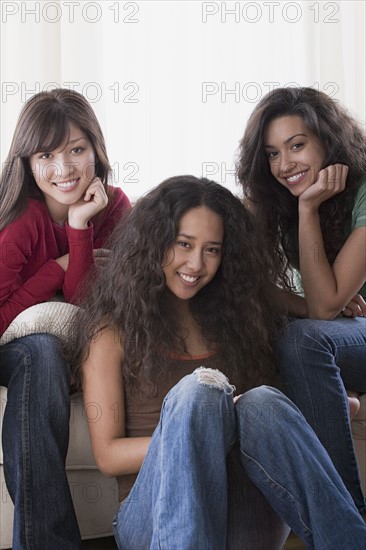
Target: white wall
x: 173, y: 82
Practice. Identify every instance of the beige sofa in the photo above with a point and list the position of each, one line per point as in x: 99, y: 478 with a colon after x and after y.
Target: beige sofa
x: 95, y: 496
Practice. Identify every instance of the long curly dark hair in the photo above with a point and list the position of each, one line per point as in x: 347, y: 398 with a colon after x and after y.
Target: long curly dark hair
x: 276, y: 209
x: 236, y: 310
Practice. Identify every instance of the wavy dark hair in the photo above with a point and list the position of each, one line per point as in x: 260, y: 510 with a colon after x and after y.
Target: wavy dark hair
x: 276, y: 209
x: 43, y: 125
x: 236, y: 310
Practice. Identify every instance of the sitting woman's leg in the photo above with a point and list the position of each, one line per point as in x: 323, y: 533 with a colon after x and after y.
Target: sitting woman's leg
x: 317, y: 360
x: 35, y: 440
x: 284, y: 458
x: 181, y: 496
x: 252, y: 522
x: 179, y: 499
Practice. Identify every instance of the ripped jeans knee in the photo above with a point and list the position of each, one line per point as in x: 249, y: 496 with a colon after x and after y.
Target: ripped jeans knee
x: 202, y: 399
x: 214, y: 379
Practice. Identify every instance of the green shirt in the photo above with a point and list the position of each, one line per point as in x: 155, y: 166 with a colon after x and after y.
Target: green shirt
x: 359, y: 209
x: 359, y: 219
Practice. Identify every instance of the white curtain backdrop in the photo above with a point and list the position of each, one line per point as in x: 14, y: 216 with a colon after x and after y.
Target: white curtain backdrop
x: 173, y: 82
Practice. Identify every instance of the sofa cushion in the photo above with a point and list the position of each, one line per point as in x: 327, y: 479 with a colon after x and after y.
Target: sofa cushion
x: 48, y: 317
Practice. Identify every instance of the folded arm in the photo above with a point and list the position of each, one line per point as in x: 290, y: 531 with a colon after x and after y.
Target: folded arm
x: 328, y: 288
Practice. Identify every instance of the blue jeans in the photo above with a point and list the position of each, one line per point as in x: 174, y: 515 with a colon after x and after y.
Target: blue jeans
x: 317, y: 360
x: 179, y: 500
x: 35, y: 440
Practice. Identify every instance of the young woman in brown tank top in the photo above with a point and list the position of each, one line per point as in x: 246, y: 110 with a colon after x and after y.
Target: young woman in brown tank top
x: 183, y: 307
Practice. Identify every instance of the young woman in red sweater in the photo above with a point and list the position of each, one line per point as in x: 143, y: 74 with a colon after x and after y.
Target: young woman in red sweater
x: 56, y: 212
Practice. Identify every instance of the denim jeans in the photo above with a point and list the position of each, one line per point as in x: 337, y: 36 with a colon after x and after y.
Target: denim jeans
x: 179, y: 500
x: 35, y: 440
x: 317, y: 360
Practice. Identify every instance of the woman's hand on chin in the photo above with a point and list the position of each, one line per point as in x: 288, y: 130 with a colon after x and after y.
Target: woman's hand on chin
x: 94, y: 200
x: 331, y: 181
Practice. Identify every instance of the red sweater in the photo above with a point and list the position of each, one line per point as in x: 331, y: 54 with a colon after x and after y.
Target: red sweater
x: 29, y: 247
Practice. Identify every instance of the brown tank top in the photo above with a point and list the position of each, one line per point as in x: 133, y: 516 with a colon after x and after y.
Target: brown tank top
x: 143, y: 413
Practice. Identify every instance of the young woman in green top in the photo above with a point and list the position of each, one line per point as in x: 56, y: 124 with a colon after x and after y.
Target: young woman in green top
x: 302, y: 167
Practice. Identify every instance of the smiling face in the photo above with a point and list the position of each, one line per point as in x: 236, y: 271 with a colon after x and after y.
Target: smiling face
x: 294, y: 153
x: 193, y: 260
x: 63, y: 175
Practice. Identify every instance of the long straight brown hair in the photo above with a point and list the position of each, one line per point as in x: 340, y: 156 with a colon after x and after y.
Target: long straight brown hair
x: 43, y: 125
